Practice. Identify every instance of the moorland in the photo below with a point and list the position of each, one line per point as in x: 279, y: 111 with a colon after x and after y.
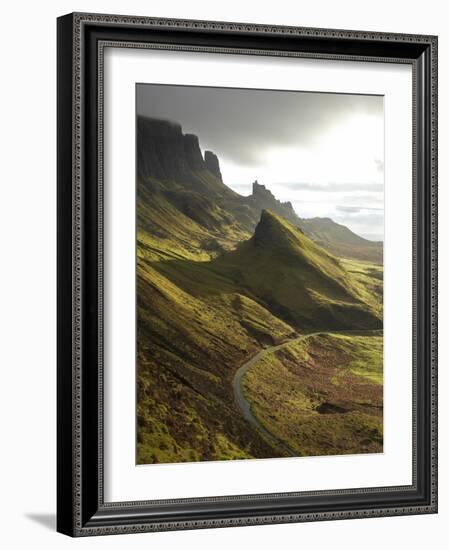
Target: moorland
x: 259, y: 333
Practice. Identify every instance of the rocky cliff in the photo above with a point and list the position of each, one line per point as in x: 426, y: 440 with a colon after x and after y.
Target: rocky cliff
x: 264, y: 199
x: 194, y: 184
x: 212, y: 164
x: 164, y: 152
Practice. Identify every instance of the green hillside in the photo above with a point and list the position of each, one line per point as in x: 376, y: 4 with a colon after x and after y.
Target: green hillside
x: 201, y: 318
x: 322, y: 395
x: 285, y: 272
x: 218, y: 279
x: 175, y: 223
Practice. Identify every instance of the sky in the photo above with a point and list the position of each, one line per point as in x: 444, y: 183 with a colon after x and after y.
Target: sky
x: 323, y: 152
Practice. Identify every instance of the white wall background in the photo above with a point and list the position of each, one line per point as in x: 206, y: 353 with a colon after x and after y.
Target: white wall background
x: 28, y: 267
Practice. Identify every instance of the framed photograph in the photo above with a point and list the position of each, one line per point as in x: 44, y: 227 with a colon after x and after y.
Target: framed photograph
x: 247, y: 280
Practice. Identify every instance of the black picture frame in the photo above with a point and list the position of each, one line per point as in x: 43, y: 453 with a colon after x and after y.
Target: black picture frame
x: 81, y: 510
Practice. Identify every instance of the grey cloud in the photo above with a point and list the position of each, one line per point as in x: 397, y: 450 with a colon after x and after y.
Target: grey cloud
x: 242, y: 188
x: 236, y: 186
x: 362, y: 223
x: 242, y: 124
x: 361, y: 198
x: 335, y: 187
x: 372, y: 236
x: 357, y: 209
x: 362, y: 217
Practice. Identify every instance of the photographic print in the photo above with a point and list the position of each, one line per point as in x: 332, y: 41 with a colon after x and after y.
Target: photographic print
x: 231, y: 304
x: 259, y: 254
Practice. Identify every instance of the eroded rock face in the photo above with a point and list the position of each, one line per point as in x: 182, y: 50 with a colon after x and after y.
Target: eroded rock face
x: 212, y: 164
x: 192, y: 152
x: 288, y: 205
x: 194, y: 185
x: 160, y: 149
x: 264, y: 199
x: 165, y: 153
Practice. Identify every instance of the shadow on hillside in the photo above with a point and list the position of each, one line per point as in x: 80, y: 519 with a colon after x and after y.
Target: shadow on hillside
x: 233, y: 274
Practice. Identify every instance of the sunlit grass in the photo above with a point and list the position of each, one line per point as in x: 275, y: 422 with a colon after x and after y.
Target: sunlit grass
x: 210, y: 296
x: 321, y: 395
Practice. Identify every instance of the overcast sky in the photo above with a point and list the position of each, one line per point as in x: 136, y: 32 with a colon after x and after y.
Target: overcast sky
x: 322, y: 152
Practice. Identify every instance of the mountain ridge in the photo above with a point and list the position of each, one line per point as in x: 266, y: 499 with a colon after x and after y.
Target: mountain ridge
x: 174, y: 160
x: 305, y: 284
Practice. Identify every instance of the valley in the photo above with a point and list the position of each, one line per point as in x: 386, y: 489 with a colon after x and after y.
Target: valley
x: 221, y: 279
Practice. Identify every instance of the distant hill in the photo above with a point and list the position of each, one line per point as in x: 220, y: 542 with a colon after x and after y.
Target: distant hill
x: 336, y: 238
x: 341, y: 241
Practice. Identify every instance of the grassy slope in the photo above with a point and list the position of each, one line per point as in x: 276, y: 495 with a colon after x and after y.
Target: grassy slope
x: 322, y: 395
x: 188, y: 345
x: 297, y: 279
x: 203, y: 311
x: 368, y: 277
x: 188, y: 349
x: 174, y: 223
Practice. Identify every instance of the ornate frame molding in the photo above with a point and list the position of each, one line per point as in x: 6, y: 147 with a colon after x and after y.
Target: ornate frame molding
x: 82, y: 512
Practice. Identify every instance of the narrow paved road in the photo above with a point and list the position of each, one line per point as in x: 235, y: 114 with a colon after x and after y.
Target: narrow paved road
x: 244, y: 404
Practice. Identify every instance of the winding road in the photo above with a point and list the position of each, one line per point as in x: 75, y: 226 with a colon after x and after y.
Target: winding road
x: 245, y: 406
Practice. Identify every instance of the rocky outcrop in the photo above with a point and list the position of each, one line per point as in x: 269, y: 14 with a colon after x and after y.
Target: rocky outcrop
x: 160, y: 149
x: 261, y: 193
x: 288, y: 205
x: 264, y: 199
x: 192, y: 153
x: 165, y: 153
x: 171, y: 162
x: 212, y: 164
x: 268, y: 230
